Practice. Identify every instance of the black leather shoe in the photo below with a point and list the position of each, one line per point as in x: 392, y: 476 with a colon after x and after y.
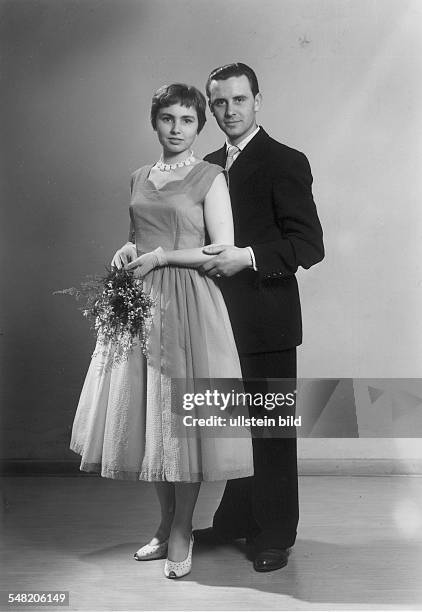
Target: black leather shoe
x: 270, y: 559
x: 210, y: 537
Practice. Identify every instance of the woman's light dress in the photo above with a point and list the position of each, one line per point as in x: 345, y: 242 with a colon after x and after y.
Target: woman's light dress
x: 125, y: 426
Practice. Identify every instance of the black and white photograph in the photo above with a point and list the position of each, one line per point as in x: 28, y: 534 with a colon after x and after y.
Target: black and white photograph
x: 212, y: 284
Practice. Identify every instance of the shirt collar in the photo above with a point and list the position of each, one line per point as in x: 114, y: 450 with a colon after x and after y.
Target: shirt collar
x: 242, y: 144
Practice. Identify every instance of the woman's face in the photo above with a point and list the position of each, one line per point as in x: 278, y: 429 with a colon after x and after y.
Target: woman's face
x: 176, y: 127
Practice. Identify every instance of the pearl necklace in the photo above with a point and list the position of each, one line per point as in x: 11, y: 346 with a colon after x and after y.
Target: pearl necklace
x: 161, y: 165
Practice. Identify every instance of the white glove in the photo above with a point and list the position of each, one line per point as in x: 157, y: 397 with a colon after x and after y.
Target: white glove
x: 148, y: 261
x: 124, y: 255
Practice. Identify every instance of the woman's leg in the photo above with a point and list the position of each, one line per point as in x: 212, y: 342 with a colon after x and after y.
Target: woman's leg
x: 166, y: 497
x: 186, y: 494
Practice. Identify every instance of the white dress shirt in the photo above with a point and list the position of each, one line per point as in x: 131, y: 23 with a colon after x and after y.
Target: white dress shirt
x: 242, y: 144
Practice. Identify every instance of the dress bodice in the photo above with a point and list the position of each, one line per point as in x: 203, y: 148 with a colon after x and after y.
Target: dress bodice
x: 171, y: 216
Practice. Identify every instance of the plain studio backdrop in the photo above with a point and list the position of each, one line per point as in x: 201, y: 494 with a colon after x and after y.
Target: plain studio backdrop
x: 340, y: 81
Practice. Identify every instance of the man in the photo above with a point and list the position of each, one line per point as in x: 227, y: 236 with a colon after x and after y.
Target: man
x: 276, y: 231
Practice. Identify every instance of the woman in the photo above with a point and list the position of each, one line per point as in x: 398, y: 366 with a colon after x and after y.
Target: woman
x: 124, y: 425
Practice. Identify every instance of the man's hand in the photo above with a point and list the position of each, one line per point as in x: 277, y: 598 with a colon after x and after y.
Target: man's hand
x: 228, y: 260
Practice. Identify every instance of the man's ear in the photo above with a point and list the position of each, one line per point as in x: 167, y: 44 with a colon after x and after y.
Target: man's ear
x: 210, y: 107
x: 258, y: 101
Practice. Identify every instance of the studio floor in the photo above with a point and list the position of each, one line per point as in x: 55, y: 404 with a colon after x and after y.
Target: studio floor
x: 359, y: 547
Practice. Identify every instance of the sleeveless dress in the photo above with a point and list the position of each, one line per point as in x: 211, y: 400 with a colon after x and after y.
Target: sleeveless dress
x: 124, y: 427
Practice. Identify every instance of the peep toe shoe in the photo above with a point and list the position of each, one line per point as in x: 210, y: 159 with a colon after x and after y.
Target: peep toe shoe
x: 178, y: 569
x: 152, y: 551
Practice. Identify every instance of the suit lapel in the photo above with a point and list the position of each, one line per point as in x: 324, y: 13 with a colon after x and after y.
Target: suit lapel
x: 250, y: 159
x: 218, y: 157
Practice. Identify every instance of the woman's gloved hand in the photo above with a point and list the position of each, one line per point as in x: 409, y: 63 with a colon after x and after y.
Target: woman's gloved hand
x: 147, y: 262
x: 124, y: 255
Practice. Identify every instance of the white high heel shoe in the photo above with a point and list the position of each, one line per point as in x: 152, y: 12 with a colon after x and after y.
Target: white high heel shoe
x: 178, y: 569
x: 152, y: 551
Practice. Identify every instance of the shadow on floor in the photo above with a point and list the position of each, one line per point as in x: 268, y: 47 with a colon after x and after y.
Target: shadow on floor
x: 378, y: 572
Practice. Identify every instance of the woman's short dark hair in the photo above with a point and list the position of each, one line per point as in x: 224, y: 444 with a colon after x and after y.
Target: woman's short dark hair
x: 230, y: 70
x: 179, y: 93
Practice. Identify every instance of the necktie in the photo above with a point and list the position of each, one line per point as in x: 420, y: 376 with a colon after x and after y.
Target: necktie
x: 231, y: 152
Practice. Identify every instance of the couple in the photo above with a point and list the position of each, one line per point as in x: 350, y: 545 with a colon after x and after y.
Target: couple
x: 252, y: 201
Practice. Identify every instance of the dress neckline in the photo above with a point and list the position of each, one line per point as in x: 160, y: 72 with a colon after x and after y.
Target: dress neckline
x: 148, y: 180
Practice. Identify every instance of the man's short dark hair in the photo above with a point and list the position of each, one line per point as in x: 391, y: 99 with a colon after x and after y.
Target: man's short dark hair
x: 179, y: 93
x: 230, y: 70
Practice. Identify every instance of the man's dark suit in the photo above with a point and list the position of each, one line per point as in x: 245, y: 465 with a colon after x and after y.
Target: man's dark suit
x: 274, y: 213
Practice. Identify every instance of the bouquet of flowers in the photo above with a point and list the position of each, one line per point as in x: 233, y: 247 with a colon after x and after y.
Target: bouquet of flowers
x: 118, y: 309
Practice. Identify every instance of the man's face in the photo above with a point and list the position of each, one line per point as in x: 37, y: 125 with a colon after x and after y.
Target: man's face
x: 234, y: 106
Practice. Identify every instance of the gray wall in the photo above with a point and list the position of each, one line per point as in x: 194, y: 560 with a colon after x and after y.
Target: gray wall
x: 341, y: 81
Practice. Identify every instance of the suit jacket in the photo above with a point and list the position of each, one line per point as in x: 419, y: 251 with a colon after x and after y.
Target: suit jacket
x: 274, y: 212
